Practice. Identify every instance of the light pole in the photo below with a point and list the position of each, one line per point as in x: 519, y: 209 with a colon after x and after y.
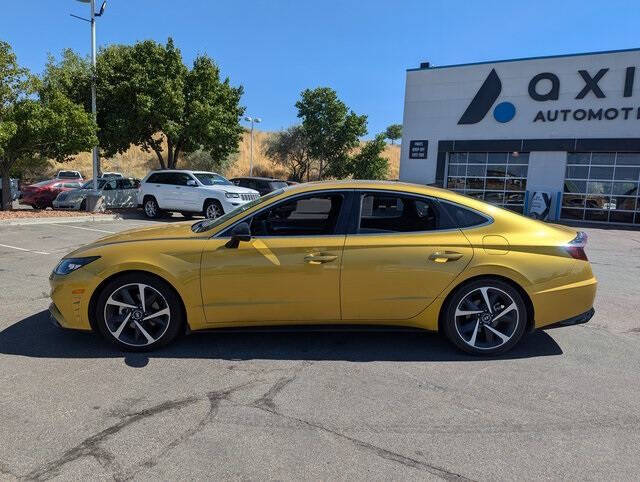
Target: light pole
x: 94, y: 110
x: 253, y: 120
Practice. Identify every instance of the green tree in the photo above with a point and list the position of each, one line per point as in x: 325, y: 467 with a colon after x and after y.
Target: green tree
x: 53, y: 129
x: 34, y: 128
x: 331, y: 129
x: 148, y: 97
x: 369, y: 163
x: 290, y: 149
x: 393, y: 132
x: 14, y: 86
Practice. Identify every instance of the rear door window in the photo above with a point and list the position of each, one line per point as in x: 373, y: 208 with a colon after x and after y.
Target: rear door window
x: 157, y: 178
x: 400, y: 213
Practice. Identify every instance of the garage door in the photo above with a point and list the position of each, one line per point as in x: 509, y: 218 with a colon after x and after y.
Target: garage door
x: 496, y: 177
x: 602, y: 187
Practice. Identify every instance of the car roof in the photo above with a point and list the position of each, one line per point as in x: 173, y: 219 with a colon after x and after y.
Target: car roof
x: 406, y: 187
x: 256, y: 178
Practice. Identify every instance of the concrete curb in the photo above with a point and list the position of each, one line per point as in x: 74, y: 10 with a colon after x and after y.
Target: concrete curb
x: 59, y: 220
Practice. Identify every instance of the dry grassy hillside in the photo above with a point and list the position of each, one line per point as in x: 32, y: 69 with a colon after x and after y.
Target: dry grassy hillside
x: 137, y: 163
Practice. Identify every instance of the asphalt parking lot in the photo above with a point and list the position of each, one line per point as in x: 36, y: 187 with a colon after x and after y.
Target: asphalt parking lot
x: 564, y: 404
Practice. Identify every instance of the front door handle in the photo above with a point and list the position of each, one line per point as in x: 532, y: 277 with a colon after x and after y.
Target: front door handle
x: 444, y: 256
x: 319, y: 258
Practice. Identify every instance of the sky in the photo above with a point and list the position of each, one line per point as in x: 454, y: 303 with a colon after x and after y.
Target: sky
x: 277, y: 48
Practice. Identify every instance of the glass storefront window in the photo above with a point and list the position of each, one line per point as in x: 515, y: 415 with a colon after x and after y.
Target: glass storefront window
x: 628, y: 159
x: 497, y: 177
x: 497, y: 157
x: 627, y: 173
x: 477, y: 158
x: 606, y: 188
x: 603, y: 158
x: 518, y: 158
x: 578, y: 157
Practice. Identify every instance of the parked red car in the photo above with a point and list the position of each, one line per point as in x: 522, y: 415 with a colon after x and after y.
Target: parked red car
x: 41, y: 194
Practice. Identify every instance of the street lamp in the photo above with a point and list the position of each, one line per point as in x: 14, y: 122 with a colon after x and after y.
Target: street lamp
x: 253, y: 120
x: 92, y: 21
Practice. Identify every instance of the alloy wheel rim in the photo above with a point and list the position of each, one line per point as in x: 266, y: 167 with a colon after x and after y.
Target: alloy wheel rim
x: 213, y: 211
x: 137, y: 314
x: 486, y: 318
x: 150, y: 208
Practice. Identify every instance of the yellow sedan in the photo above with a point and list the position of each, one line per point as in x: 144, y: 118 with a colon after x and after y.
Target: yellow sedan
x: 349, y: 252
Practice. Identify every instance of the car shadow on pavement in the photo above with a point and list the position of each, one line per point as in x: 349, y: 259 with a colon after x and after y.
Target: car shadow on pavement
x: 37, y: 337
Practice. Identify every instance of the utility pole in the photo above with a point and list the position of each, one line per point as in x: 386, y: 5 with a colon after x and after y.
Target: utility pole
x: 94, y: 110
x: 253, y: 120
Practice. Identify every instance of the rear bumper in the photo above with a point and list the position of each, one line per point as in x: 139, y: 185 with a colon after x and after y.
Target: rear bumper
x: 575, y: 320
x: 562, y: 303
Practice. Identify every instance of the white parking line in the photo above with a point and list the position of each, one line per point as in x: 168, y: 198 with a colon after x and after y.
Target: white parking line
x: 23, y: 249
x: 85, y: 229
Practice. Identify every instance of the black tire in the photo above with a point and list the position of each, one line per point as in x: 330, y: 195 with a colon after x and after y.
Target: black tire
x: 212, y: 206
x: 83, y: 205
x: 187, y: 215
x: 485, y: 332
x: 131, y: 337
x: 150, y: 207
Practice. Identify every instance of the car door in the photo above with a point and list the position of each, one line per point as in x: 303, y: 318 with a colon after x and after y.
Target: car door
x: 127, y: 193
x: 403, y: 251
x: 110, y: 193
x: 159, y: 186
x: 288, y: 272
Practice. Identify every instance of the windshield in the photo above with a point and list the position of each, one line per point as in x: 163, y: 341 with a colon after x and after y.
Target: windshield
x: 211, y: 179
x: 278, y: 184
x: 68, y: 175
x: 207, y: 224
x: 89, y: 184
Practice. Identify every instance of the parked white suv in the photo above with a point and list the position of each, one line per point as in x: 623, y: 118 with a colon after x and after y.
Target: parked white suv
x: 191, y: 192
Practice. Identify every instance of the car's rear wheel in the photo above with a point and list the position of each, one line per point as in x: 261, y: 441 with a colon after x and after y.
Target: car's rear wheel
x: 485, y: 317
x: 151, y: 208
x: 138, y: 312
x: 213, y: 209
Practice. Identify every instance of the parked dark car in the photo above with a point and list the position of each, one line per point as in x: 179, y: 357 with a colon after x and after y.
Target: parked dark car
x: 264, y: 185
x: 41, y: 194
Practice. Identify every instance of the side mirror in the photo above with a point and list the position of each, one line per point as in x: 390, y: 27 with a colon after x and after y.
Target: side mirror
x: 241, y: 232
x: 191, y: 182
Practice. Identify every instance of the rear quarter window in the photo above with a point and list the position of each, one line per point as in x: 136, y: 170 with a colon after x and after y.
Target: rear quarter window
x: 464, y: 217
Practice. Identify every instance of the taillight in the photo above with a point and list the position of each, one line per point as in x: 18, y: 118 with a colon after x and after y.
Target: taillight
x: 575, y: 247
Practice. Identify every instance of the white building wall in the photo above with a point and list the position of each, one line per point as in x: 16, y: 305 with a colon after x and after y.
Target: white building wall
x: 436, y: 98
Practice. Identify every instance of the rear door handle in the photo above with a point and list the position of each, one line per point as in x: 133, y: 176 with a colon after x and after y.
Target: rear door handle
x: 319, y: 258
x: 444, y: 256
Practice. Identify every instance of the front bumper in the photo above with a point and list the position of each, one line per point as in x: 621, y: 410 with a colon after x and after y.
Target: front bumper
x: 67, y: 204
x: 70, y: 300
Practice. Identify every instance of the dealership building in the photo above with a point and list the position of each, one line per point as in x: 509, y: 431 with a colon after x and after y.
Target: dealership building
x: 555, y: 137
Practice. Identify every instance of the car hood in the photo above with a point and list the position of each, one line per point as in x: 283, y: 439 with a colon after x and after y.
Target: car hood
x: 166, y: 231
x: 232, y: 188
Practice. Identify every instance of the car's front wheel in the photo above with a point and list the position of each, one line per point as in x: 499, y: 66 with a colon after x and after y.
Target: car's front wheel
x: 213, y: 209
x: 151, y: 208
x: 485, y: 317
x: 138, y: 312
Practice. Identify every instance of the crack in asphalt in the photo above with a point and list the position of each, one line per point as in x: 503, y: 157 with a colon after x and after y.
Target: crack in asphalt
x: 214, y: 398
x: 267, y: 404
x: 90, y: 447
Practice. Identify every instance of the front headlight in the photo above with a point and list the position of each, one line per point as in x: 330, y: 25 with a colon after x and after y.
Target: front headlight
x: 232, y: 194
x: 67, y: 265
